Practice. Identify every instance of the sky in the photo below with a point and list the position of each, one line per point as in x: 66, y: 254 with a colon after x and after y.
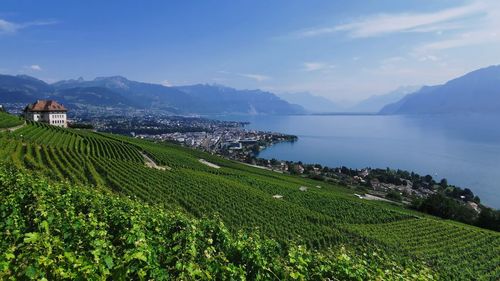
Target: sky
x: 343, y: 50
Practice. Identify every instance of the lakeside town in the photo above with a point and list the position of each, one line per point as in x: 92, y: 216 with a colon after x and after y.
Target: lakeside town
x: 231, y: 140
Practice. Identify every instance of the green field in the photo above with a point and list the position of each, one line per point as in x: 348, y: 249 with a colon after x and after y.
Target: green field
x: 8, y: 121
x: 242, y: 197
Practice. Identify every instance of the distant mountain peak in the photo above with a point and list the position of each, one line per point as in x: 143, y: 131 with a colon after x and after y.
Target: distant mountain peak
x: 112, y: 78
x: 119, y: 82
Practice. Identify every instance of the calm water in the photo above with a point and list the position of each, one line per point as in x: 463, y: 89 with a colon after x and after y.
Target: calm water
x: 465, y: 149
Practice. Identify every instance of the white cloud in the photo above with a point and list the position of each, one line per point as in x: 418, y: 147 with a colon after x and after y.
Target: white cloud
x: 382, y: 24
x: 12, y: 27
x: 486, y: 31
x: 35, y: 67
x: 256, y: 77
x: 462, y: 40
x: 166, y: 83
x: 313, y: 66
x: 428, y: 58
x: 7, y: 27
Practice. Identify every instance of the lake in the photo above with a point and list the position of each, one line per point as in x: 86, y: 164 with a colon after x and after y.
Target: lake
x: 465, y: 149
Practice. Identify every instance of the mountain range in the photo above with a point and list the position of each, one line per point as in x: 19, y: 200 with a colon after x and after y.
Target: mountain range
x: 117, y: 91
x: 477, y: 91
x: 474, y: 92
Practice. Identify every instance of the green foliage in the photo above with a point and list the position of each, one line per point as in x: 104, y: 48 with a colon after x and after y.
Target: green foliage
x: 447, y: 208
x: 466, y: 253
x: 9, y: 121
x: 489, y: 218
x: 394, y: 195
x: 64, y: 232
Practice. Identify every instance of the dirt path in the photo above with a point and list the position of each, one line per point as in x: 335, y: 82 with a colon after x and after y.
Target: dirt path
x: 373, y: 197
x: 263, y: 168
x: 152, y: 164
x: 205, y: 162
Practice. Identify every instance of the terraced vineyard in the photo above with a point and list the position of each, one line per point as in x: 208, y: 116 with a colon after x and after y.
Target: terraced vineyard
x: 242, y: 197
x: 450, y: 245
x: 9, y: 121
x: 79, y: 233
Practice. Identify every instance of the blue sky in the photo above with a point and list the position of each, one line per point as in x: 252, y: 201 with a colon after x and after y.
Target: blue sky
x: 343, y: 50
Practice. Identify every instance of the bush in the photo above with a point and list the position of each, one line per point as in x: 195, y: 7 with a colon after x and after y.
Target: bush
x: 394, y: 195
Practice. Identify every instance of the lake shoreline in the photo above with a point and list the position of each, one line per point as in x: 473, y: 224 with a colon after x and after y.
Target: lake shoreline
x: 460, y: 148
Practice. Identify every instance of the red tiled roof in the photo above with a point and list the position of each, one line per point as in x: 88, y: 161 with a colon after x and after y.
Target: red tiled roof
x: 45, y: 106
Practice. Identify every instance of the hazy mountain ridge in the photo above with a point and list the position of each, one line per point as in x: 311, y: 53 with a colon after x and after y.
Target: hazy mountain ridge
x: 312, y: 103
x: 475, y: 92
x: 223, y: 99
x: 118, y: 91
x: 373, y: 104
x: 377, y: 102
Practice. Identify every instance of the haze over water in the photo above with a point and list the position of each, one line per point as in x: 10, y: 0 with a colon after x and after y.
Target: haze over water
x: 465, y: 149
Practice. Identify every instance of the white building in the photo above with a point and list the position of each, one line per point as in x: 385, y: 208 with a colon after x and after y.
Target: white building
x: 47, y: 111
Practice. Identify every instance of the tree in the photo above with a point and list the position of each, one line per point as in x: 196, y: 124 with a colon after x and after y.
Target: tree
x: 442, y: 206
x: 468, y: 194
x: 394, y: 195
x: 444, y: 183
x: 274, y: 162
x: 428, y: 178
x: 489, y: 218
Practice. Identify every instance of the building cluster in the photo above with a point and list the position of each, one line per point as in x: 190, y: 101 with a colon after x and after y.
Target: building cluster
x: 235, y: 142
x: 406, y: 188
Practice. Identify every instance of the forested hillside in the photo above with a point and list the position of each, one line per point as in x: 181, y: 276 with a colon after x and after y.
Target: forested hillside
x: 311, y: 213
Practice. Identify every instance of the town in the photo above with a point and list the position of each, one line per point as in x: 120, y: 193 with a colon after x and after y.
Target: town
x: 226, y: 138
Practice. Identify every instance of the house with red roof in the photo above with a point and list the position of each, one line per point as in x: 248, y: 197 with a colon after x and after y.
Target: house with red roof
x: 47, y: 111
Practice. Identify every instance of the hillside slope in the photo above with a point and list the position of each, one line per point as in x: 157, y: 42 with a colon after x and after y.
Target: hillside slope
x: 22, y: 89
x: 76, y: 232
x: 9, y: 121
x: 242, y: 197
x: 475, y: 92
